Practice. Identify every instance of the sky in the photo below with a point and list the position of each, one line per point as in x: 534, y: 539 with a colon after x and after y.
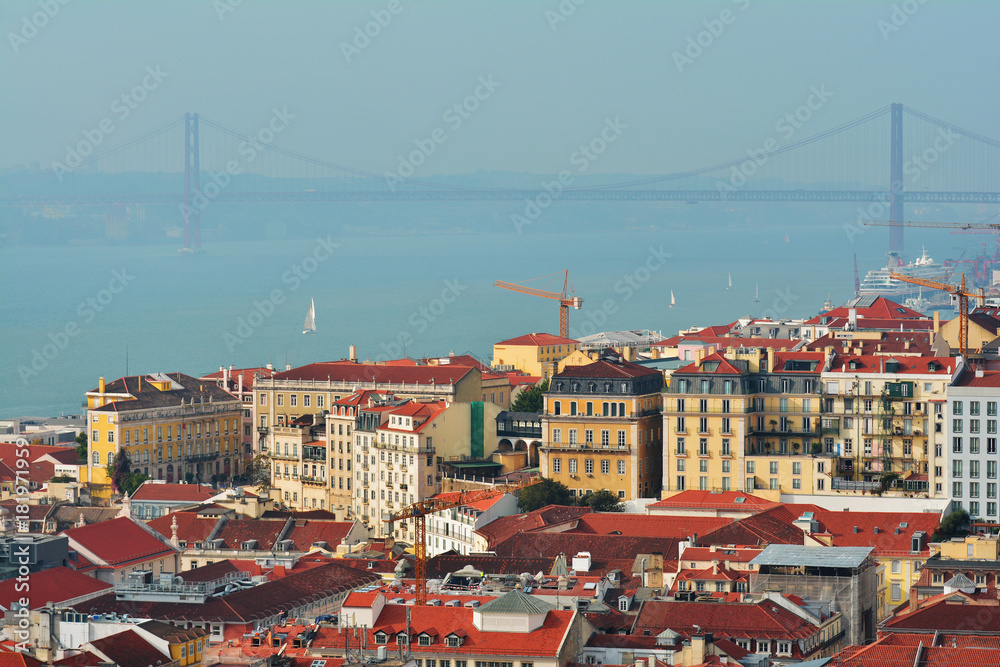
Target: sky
x: 683, y: 83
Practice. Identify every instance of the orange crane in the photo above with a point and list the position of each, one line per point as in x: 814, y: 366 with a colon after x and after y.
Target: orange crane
x: 418, y: 512
x: 565, y: 299
x: 958, y: 293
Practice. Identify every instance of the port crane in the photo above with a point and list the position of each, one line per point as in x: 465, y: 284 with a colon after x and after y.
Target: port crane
x: 958, y: 293
x: 981, y: 264
x: 565, y: 299
x: 418, y: 511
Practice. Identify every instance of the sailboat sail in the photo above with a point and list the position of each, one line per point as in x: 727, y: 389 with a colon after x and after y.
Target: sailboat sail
x: 672, y: 302
x: 756, y: 292
x: 730, y: 281
x: 310, y: 324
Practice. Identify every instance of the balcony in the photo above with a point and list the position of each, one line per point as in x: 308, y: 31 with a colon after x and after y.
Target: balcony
x: 314, y: 456
x: 309, y: 479
x: 193, y: 458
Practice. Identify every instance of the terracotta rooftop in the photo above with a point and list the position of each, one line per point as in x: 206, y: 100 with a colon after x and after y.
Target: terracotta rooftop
x: 379, y: 373
x: 538, y: 340
x: 606, y: 369
x: 887, y: 541
x: 189, y: 493
x: 129, y: 649
x: 191, y: 527
x: 723, y: 500
x: 500, y: 529
x: 764, y: 619
x: 58, y: 584
x: 118, y: 542
x: 647, y: 525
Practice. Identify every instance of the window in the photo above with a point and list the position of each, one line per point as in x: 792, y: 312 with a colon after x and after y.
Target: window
x: 605, y: 437
x: 621, y: 467
x: 557, y: 465
x: 956, y: 425
x: 556, y: 435
x: 97, y: 458
x: 956, y: 489
x: 681, y: 465
x: 896, y: 567
x: 725, y: 447
x: 605, y: 466
x: 572, y: 436
x: 774, y: 467
x: 588, y: 466
x: 796, y: 468
x: 751, y: 467
x: 956, y: 468
x: 702, y: 446
x: 784, y: 648
x: 424, y: 640
x: 896, y: 591
x: 956, y: 407
x: 572, y: 466
x: 956, y: 445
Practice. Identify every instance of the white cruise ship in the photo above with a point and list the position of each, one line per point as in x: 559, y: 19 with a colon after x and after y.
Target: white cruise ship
x: 879, y: 283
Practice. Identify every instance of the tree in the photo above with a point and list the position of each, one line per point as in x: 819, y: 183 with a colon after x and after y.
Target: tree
x: 123, y: 478
x: 531, y: 399
x: 953, y: 525
x: 886, y: 482
x: 82, y: 447
x: 603, y: 501
x: 548, y: 492
x: 258, y: 472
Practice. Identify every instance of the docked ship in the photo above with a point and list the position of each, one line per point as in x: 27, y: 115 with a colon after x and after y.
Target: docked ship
x: 878, y: 282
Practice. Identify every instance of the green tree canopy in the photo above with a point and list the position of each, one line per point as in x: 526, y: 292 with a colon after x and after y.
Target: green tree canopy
x: 123, y: 478
x: 548, y: 492
x: 603, y: 501
x: 531, y: 399
x: 953, y: 525
x: 81, y: 445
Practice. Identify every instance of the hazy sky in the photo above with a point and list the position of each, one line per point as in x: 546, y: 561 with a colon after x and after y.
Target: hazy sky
x: 563, y: 69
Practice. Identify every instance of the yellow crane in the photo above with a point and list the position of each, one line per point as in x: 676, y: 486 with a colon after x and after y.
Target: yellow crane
x: 418, y: 512
x: 958, y: 293
x: 565, y: 299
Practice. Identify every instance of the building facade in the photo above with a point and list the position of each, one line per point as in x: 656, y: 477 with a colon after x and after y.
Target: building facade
x: 536, y: 354
x: 971, y: 450
x: 602, y: 429
x: 173, y: 426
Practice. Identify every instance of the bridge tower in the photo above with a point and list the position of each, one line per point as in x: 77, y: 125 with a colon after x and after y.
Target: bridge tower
x: 192, y: 185
x: 896, y: 179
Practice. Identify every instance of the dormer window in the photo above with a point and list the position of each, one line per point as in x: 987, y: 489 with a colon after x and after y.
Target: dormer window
x: 453, y: 640
x: 402, y: 639
x: 853, y: 365
x: 424, y: 639
x: 381, y: 638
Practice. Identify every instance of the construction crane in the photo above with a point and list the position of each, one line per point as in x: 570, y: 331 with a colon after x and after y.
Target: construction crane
x: 565, y: 299
x: 418, y: 512
x: 958, y: 293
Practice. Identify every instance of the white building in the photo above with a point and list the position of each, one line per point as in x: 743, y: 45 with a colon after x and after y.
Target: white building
x: 454, y: 528
x: 971, y: 449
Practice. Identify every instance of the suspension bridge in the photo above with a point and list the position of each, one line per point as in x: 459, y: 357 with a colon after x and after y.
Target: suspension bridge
x: 193, y: 162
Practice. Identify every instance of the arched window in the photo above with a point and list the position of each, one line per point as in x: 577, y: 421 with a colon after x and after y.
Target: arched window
x: 111, y: 458
x: 97, y: 458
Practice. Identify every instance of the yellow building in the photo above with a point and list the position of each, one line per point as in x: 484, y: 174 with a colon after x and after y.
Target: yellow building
x: 601, y: 429
x: 313, y: 389
x: 885, y: 414
x: 536, y: 354
x: 746, y: 420
x: 173, y: 426
x: 185, y: 645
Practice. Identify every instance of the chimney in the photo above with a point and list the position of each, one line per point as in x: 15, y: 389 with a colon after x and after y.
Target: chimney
x: 770, y: 360
x: 100, y: 385
x: 697, y: 649
x: 852, y: 318
x: 937, y: 322
x: 352, y: 353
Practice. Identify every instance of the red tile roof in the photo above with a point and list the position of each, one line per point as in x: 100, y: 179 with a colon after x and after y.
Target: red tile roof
x: 881, y: 308
x: 238, y: 531
x: 723, y: 342
x: 973, y: 379
x: 887, y: 541
x: 249, y: 375
x: 713, y: 363
x: 888, y: 342
x: 545, y: 641
x: 118, y: 542
x: 950, y: 614
x: 18, y: 659
x: 379, y: 373
x: 305, y: 533
x: 191, y: 527
x: 764, y: 619
x: 772, y: 526
x: 722, y: 500
x: 537, y: 340
x: 192, y: 493
x: 129, y: 649
x: 295, y: 589
x: 647, y: 525
x: 601, y: 547
x: 606, y: 369
x: 58, y: 584
x: 500, y: 529
x: 871, y: 363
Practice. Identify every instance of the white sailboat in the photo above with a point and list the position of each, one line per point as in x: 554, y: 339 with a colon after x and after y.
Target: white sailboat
x: 672, y: 302
x: 730, y: 282
x: 756, y: 292
x: 310, y: 325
